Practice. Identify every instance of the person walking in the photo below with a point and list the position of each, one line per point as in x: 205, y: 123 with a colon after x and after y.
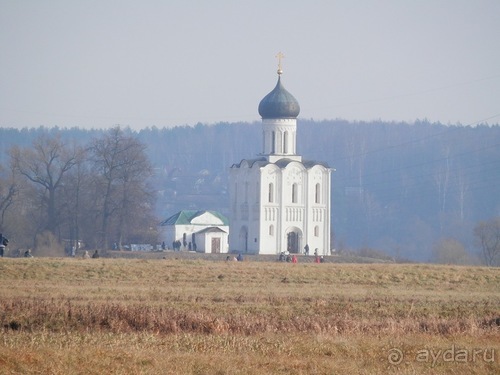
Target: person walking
x: 3, y: 244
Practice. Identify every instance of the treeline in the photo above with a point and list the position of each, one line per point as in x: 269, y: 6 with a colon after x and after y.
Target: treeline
x: 397, y: 187
x: 60, y: 194
x: 402, y: 188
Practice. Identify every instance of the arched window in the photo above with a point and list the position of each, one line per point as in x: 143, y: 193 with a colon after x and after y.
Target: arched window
x: 316, y: 231
x: 317, y: 194
x: 294, y: 193
x: 271, y: 193
x: 271, y: 230
x: 285, y: 142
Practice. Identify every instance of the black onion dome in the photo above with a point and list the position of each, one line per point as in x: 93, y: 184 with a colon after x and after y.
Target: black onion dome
x: 279, y: 103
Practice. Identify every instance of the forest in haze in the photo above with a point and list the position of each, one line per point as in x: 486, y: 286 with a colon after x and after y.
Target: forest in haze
x: 402, y: 189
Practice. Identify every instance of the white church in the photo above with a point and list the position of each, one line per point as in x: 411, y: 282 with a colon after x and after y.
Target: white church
x: 278, y: 201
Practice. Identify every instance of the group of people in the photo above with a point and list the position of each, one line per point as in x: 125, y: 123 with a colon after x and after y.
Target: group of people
x: 28, y: 254
x: 86, y: 255
x: 284, y: 257
x: 319, y: 259
x: 176, y: 245
x: 239, y: 258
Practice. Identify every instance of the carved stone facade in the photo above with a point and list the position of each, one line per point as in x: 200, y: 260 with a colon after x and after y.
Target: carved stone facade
x: 278, y: 201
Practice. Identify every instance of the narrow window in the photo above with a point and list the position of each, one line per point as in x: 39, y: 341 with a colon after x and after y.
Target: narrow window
x: 273, y: 142
x: 271, y: 193
x: 317, y: 195
x: 316, y: 231
x: 271, y: 230
x: 285, y: 142
x: 294, y: 193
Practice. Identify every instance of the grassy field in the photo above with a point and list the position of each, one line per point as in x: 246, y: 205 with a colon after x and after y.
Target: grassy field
x: 193, y: 316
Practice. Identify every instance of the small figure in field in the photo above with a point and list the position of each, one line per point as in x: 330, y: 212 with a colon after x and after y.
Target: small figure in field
x: 86, y: 255
x: 317, y: 259
x: 27, y: 254
x: 3, y: 244
x: 95, y: 255
x: 294, y: 259
x: 306, y: 249
x: 239, y: 258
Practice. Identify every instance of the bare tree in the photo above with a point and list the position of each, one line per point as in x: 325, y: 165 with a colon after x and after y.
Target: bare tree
x: 75, y: 200
x: 9, y: 190
x: 488, y: 236
x: 462, y: 188
x: 45, y: 165
x: 442, y: 179
x: 121, y: 180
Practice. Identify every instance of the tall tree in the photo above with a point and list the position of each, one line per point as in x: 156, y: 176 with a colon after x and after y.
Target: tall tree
x: 45, y: 164
x: 121, y: 181
x: 9, y: 190
x: 75, y: 201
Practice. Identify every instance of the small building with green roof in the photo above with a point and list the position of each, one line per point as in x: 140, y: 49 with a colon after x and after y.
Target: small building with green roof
x: 201, y: 231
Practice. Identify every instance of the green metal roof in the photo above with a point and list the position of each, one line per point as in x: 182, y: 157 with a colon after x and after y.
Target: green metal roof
x: 185, y: 217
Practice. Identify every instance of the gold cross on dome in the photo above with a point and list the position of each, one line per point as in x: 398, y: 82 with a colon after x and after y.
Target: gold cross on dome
x: 280, y: 56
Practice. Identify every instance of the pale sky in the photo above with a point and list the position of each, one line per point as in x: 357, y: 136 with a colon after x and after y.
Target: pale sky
x: 101, y: 63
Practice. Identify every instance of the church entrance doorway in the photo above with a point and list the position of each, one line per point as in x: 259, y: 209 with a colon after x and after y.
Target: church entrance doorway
x: 293, y: 238
x: 215, y: 245
x: 243, y: 245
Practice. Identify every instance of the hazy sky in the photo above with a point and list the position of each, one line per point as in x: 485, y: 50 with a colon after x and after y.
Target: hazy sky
x: 99, y: 63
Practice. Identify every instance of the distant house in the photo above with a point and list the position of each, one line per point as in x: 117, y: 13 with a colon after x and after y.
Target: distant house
x: 201, y: 231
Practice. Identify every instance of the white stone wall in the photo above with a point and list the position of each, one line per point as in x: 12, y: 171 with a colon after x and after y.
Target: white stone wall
x: 173, y: 233
x: 266, y: 223
x: 205, y: 242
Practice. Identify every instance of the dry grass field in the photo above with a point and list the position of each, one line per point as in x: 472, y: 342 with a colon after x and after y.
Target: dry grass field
x: 193, y: 316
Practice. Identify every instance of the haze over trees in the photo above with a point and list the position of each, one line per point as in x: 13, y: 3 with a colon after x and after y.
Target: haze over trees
x: 62, y: 191
x: 488, y: 237
x: 45, y: 165
x: 121, y: 170
x: 414, y: 191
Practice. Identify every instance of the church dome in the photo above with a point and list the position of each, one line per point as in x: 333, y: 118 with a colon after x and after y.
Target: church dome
x: 279, y: 103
